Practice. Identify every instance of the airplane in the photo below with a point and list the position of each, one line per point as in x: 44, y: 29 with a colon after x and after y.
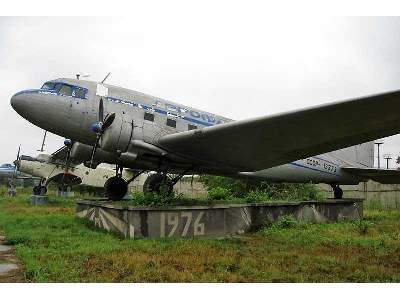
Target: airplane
x: 51, y: 168
x: 329, y: 143
x: 7, y: 171
x: 12, y: 171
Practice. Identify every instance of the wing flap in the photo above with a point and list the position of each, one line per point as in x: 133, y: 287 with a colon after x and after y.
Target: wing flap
x: 265, y: 142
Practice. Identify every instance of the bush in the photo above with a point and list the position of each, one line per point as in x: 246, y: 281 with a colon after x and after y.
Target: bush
x: 219, y: 193
x: 257, y: 197
x: 286, y: 222
x: 262, y: 191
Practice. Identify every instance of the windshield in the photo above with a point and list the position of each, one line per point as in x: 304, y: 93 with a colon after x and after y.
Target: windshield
x: 65, y: 89
x: 48, y: 86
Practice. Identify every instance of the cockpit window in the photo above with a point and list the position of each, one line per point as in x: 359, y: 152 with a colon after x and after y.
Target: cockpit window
x: 48, y: 86
x: 65, y: 90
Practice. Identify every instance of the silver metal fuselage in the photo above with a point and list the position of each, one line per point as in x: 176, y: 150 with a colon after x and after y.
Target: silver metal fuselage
x: 72, y: 118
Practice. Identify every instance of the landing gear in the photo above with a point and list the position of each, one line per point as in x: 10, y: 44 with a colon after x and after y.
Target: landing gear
x: 155, y: 182
x: 40, y: 190
x: 116, y: 188
x: 337, y: 191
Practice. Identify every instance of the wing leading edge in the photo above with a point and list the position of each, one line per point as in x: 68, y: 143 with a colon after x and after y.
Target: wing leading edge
x: 265, y: 142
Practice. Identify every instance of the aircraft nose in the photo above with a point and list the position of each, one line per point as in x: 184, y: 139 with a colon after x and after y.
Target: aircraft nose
x: 20, y: 103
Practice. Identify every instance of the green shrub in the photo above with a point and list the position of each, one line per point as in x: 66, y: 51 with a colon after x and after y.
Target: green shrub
x: 257, y: 197
x: 286, y: 222
x: 219, y: 193
x: 262, y: 191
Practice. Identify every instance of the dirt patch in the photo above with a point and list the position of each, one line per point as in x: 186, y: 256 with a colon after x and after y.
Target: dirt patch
x: 10, y: 269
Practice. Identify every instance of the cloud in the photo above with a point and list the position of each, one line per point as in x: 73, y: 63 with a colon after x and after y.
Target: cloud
x: 236, y: 65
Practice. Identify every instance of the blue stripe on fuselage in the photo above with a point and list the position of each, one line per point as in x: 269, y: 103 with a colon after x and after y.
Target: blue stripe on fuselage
x: 306, y: 167
x: 158, y: 110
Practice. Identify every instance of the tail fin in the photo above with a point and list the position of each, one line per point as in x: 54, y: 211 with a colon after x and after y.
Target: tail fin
x: 361, y: 155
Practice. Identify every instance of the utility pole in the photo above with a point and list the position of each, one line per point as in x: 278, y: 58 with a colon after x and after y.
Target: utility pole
x: 379, y: 157
x: 387, y: 157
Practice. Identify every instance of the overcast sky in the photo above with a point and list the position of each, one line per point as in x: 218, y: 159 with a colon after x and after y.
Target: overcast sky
x: 236, y: 65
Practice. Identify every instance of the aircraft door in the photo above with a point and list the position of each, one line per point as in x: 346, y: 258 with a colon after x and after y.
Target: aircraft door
x: 78, y: 105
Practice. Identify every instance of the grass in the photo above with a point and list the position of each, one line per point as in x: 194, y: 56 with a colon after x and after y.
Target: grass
x: 55, y: 246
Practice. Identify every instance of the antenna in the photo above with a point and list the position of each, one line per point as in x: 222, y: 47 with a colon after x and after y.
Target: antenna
x: 105, y: 78
x: 78, y: 76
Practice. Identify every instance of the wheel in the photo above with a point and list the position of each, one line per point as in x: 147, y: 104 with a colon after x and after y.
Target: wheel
x: 42, y: 190
x: 154, y: 182
x: 36, y: 190
x: 116, y: 188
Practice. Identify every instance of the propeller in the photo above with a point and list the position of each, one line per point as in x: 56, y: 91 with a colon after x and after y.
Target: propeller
x: 100, y: 127
x: 17, y: 162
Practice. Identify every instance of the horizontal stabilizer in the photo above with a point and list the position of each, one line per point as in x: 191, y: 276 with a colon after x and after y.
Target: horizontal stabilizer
x: 386, y: 176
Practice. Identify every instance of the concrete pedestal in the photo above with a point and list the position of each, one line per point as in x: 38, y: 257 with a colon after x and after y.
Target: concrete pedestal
x: 65, y: 194
x: 39, y: 200
x: 210, y: 221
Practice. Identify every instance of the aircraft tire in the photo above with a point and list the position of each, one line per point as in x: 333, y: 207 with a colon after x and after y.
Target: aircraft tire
x: 42, y: 190
x: 115, y: 188
x: 154, y: 182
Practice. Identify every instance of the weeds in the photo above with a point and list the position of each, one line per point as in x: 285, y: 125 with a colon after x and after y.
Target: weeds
x: 55, y: 246
x: 363, y: 226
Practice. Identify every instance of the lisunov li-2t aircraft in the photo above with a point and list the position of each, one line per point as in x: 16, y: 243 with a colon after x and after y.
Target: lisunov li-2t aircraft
x: 328, y: 143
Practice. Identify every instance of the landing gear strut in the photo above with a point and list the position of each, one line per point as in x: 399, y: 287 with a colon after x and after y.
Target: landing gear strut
x: 337, y: 191
x: 155, y: 182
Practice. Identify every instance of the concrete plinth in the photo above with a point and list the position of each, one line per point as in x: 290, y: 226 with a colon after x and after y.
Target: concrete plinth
x: 39, y: 200
x: 210, y: 221
x: 66, y: 194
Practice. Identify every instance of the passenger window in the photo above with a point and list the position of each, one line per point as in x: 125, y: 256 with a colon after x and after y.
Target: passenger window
x: 66, y: 90
x: 192, y: 127
x: 149, y: 116
x: 80, y: 93
x: 171, y: 123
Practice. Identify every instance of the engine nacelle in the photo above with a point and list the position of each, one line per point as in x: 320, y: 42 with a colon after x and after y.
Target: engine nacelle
x: 117, y: 137
x: 82, y: 153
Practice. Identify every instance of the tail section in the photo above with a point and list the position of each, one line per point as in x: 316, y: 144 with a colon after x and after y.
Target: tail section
x: 359, y: 155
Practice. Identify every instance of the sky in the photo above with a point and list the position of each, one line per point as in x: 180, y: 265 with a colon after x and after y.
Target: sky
x: 239, y: 64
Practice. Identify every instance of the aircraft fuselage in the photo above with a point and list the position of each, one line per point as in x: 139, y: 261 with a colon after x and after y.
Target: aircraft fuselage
x: 70, y: 112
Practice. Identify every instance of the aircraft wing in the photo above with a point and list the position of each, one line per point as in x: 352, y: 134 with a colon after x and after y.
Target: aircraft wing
x: 60, y: 156
x: 386, y: 176
x: 265, y: 142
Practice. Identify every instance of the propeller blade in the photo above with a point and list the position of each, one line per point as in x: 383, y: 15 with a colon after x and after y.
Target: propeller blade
x: 109, y: 119
x: 101, y: 111
x: 96, y: 145
x: 17, y: 161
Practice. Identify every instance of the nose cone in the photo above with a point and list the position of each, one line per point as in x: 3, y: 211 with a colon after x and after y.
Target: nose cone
x: 20, y: 103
